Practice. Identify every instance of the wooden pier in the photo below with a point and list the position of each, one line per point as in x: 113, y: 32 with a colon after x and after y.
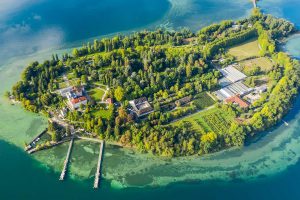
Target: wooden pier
x: 98, y: 172
x: 64, y: 171
x: 254, y: 3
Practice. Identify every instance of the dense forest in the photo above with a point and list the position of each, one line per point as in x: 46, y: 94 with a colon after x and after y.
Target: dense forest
x: 165, y: 66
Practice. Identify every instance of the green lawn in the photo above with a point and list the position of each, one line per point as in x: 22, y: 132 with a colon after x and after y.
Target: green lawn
x: 215, y: 120
x: 96, y: 94
x: 100, y: 85
x: 264, y: 63
x: 245, y: 50
x: 103, y: 113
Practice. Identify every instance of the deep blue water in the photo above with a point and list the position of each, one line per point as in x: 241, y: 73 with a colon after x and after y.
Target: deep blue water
x: 31, y: 26
x: 82, y: 19
x: 23, y: 178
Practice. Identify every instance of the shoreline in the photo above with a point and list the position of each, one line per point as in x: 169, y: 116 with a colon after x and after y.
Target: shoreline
x: 283, y: 43
x: 122, y: 146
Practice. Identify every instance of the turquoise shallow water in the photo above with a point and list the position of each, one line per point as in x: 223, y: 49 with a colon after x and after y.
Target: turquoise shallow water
x: 267, y: 168
x: 292, y: 46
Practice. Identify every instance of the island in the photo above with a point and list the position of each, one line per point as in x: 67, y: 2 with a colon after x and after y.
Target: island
x: 169, y: 93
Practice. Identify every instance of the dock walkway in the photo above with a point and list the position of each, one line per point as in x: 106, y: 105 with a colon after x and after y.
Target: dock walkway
x: 254, y: 3
x: 34, y: 140
x: 63, y: 173
x: 98, y: 172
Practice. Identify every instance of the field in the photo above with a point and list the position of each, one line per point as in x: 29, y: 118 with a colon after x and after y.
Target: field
x: 96, y: 94
x: 203, y: 100
x: 103, y: 113
x: 264, y: 63
x: 245, y: 50
x: 215, y: 120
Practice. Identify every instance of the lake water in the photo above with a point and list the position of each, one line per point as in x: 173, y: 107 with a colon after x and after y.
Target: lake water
x: 268, y: 168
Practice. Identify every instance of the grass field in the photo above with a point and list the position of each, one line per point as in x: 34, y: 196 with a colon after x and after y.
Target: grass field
x: 264, y: 63
x: 203, y: 100
x: 96, y: 94
x: 245, y: 50
x: 215, y: 120
x: 103, y: 113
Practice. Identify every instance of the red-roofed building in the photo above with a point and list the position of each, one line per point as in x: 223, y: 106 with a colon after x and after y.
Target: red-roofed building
x: 76, y: 102
x: 76, y: 97
x: 237, y: 100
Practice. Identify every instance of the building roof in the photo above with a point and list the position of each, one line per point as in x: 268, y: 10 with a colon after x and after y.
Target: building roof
x: 78, y: 100
x: 262, y: 88
x: 234, y: 89
x: 223, y: 82
x: 78, y: 89
x: 64, y: 91
x: 237, y: 100
x: 141, y: 106
x: 140, y: 100
x: 232, y: 74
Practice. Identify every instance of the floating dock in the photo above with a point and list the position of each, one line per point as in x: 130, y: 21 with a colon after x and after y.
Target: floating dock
x: 31, y: 151
x: 34, y: 140
x: 64, y: 171
x: 98, y: 172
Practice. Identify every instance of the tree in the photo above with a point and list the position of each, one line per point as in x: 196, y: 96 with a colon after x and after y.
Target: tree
x: 55, y: 136
x: 117, y: 131
x: 108, y: 132
x: 188, y: 71
x: 208, y: 141
x: 119, y: 93
x: 75, y: 53
x: 84, y: 79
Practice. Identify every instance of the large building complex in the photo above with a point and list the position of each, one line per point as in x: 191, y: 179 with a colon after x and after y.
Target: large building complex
x: 76, y: 97
x: 232, y: 86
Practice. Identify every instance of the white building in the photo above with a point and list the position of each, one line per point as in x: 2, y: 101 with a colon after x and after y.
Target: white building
x: 76, y: 97
x: 232, y: 84
x: 232, y: 74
